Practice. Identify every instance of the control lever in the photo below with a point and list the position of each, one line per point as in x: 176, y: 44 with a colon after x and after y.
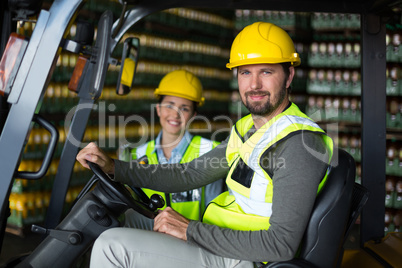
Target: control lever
x: 156, y: 201
x: 69, y: 237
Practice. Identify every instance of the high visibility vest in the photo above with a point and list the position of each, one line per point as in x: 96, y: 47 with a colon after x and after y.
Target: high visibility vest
x: 247, y: 205
x: 190, y: 204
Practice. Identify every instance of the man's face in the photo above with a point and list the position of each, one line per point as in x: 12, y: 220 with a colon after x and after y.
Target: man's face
x: 262, y: 87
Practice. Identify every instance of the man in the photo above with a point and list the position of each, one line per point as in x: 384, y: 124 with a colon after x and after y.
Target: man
x: 276, y: 160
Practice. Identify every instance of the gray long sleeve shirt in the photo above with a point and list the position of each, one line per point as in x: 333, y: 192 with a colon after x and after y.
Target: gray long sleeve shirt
x: 296, y: 174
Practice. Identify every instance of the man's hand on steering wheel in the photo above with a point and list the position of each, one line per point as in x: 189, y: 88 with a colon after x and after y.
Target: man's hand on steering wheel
x: 94, y: 154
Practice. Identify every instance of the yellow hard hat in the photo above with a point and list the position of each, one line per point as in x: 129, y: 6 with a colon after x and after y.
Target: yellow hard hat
x: 262, y: 42
x: 183, y: 84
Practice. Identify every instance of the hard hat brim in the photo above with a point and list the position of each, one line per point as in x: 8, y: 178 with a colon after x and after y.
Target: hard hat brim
x: 158, y: 93
x: 295, y: 62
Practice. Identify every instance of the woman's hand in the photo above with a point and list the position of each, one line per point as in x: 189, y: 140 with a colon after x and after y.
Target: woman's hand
x: 170, y: 222
x: 94, y: 154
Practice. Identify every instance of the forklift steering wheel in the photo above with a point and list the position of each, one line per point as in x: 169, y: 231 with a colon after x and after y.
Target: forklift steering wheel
x: 144, y: 207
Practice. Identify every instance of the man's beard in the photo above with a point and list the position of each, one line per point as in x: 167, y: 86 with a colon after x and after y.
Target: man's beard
x: 267, y: 107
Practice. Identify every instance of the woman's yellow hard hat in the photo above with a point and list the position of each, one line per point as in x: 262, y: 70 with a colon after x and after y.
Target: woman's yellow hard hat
x: 183, y: 84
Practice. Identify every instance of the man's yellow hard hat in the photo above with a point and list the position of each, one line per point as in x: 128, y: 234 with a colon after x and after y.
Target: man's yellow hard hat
x: 262, y: 42
x: 183, y: 84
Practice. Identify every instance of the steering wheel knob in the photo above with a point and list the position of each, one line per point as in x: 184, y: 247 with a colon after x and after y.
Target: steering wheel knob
x: 156, y: 201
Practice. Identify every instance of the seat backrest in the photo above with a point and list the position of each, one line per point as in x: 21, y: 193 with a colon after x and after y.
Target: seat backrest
x: 323, y: 240
x: 359, y: 198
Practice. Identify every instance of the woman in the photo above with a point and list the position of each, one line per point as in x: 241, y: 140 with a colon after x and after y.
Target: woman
x: 180, y: 93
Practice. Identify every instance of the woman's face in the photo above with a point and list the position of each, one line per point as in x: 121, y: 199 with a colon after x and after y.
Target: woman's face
x: 174, y: 114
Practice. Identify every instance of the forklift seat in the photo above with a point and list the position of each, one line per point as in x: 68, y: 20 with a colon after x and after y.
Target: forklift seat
x: 335, y: 211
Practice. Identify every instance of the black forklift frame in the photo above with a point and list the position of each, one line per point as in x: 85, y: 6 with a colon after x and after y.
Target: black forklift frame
x: 44, y: 48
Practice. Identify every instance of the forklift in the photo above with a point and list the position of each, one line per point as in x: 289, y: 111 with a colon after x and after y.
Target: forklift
x: 25, y: 72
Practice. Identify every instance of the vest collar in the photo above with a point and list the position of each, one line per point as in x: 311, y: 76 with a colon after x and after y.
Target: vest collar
x: 246, y: 123
x: 260, y: 140
x: 177, y: 152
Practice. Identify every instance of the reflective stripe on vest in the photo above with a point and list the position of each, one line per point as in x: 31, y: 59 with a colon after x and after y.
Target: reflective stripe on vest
x: 190, y: 203
x: 254, y: 196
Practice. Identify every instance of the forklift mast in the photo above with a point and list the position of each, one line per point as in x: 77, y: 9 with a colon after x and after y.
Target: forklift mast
x: 6, y: 27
